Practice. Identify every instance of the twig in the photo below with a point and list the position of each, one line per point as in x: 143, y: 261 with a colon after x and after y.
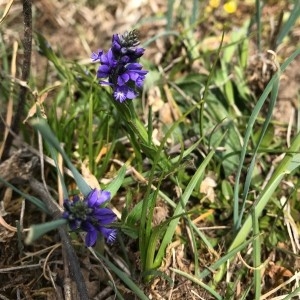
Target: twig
x: 27, y: 43
x: 73, y: 262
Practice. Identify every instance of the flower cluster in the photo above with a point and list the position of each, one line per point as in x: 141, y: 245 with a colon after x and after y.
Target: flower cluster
x: 120, y: 65
x: 89, y: 216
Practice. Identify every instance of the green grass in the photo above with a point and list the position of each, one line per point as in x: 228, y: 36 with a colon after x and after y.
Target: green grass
x: 234, y: 143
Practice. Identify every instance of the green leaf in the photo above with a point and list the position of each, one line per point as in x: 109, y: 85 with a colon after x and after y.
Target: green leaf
x: 290, y: 162
x: 114, y: 186
x: 199, y: 282
x: 180, y: 208
x: 42, y: 126
x: 125, y: 278
x: 227, y: 190
x: 294, y: 16
x: 38, y: 230
x: 237, y: 215
x: 135, y: 214
x: 37, y: 202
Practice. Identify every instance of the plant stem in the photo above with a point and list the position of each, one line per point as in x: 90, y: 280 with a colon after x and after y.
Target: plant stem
x: 73, y: 261
x: 27, y: 43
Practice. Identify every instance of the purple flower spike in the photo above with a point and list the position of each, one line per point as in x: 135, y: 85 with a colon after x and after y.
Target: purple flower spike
x: 89, y: 216
x: 120, y: 65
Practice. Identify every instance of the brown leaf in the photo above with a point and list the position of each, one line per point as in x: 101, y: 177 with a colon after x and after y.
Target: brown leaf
x: 89, y: 177
x: 207, y: 187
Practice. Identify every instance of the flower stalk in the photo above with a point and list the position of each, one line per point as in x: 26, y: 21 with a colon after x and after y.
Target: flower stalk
x: 125, y: 75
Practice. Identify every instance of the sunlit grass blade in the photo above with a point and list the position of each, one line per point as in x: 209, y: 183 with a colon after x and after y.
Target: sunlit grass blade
x: 256, y: 256
x: 199, y: 282
x: 258, y: 6
x: 118, y: 295
x: 252, y: 119
x: 43, y: 127
x: 194, y: 245
x: 220, y: 262
x: 206, y: 90
x: 38, y: 230
x: 180, y: 208
x: 272, y: 102
x: 37, y: 202
x: 290, y: 162
x: 6, y: 11
x: 125, y: 278
x: 170, y: 14
x: 195, y: 12
x: 288, y: 25
x: 114, y: 186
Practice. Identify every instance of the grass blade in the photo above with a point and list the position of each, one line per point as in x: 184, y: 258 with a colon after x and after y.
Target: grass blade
x: 125, y: 278
x: 251, y: 122
x: 290, y: 162
x: 295, y: 13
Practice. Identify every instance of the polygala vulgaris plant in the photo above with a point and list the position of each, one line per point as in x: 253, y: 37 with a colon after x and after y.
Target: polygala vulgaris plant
x: 89, y: 215
x: 120, y: 65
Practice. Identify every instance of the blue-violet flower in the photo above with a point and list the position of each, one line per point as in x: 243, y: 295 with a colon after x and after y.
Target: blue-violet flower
x: 89, y: 215
x: 120, y: 65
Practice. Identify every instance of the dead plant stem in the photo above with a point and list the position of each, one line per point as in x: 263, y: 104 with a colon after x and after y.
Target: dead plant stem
x: 27, y: 44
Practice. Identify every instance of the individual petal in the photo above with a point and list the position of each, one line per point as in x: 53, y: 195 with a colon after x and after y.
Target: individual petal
x: 116, y: 46
x: 92, y: 198
x: 103, y: 71
x: 140, y: 81
x: 111, y: 58
x: 120, y: 93
x: 91, y: 238
x: 108, y: 59
x: 139, y: 52
x: 104, y: 59
x: 134, y: 66
x: 87, y: 226
x: 131, y: 94
x: 122, y: 79
x: 125, y: 59
x: 96, y: 55
x: 116, y: 39
x: 97, y: 197
x: 104, y: 216
x: 142, y: 72
x: 133, y: 75
x: 139, y: 72
x: 103, y: 196
x: 112, y: 237
x: 109, y: 234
